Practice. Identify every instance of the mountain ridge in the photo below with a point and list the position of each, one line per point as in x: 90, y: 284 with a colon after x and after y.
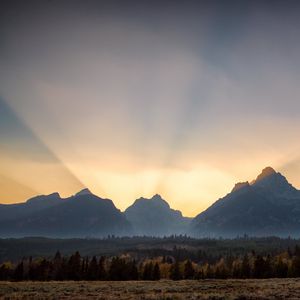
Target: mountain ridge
x: 81, y: 215
x: 269, y: 205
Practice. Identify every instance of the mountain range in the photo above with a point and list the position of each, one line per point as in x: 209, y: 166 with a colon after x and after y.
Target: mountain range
x: 268, y: 205
x: 82, y: 215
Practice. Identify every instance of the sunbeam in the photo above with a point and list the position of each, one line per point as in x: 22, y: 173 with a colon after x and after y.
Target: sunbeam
x: 27, y: 164
x: 131, y: 100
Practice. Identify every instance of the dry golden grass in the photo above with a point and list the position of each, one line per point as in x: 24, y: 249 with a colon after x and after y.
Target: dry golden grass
x: 203, y: 289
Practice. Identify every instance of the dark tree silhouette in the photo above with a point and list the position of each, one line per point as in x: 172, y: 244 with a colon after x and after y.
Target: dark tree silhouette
x: 19, y: 272
x: 101, y: 269
x: 189, y: 271
x: 92, y: 272
x: 133, y: 271
x: 120, y: 269
x: 280, y: 269
x: 156, y: 272
x: 5, y: 272
x: 245, y: 272
x: 148, y: 271
x: 175, y: 273
x: 295, y: 268
x: 74, y: 267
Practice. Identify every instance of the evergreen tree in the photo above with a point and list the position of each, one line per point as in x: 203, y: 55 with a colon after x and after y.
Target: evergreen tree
x: 119, y: 269
x: 57, y: 257
x: 57, y: 261
x: 281, y: 269
x: 74, y: 267
x: 175, y: 271
x: 92, y: 272
x: 259, y: 267
x: 237, y: 269
x: 156, y: 272
x: 133, y: 273
x: 246, y: 269
x: 297, y: 251
x: 19, y: 272
x: 268, y: 267
x: 189, y: 271
x: 148, y: 271
x: 6, y: 271
x: 43, y: 270
x: 295, y: 267
x: 114, y: 269
x: 101, y: 269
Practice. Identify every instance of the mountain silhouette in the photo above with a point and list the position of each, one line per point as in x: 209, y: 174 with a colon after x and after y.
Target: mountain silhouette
x: 35, y: 204
x: 82, y: 215
x: 154, y: 217
x: 269, y: 205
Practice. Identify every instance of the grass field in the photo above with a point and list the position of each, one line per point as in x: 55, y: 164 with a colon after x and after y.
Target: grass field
x: 203, y: 289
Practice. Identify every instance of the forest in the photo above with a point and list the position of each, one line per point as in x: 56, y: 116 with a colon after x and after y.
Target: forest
x: 180, y: 247
x: 180, y: 265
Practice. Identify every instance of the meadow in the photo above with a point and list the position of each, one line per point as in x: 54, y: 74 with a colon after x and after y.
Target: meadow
x: 147, y: 290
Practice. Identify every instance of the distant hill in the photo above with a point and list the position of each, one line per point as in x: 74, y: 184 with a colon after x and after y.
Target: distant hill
x: 267, y: 206
x: 82, y: 215
x: 154, y: 217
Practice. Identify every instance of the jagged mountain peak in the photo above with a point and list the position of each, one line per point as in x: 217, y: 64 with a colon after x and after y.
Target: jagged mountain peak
x: 55, y: 194
x: 268, y: 206
x: 156, y: 197
x: 39, y: 198
x: 265, y: 173
x: 274, y: 182
x: 83, y: 192
x: 240, y: 185
x: 153, y: 216
x: 155, y: 200
x: 81, y: 215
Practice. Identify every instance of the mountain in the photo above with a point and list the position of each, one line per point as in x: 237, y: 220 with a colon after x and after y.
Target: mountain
x: 82, y: 215
x: 18, y: 210
x: 154, y: 217
x: 269, y: 205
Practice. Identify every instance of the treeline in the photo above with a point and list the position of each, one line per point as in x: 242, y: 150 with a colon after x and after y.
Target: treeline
x: 125, y: 267
x: 140, y: 248
x: 77, y: 268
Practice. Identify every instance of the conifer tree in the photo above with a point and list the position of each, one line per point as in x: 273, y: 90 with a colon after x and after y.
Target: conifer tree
x: 19, y: 272
x: 245, y: 271
x: 175, y: 271
x: 156, y: 272
x: 101, y: 269
x: 148, y: 271
x: 92, y: 272
x: 74, y: 267
x: 189, y: 271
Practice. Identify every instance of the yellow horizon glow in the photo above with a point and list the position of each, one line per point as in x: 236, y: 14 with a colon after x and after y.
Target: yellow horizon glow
x: 136, y: 111
x: 189, y: 190
x: 190, y: 179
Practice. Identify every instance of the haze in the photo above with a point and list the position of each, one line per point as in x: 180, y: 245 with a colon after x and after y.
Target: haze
x: 134, y: 98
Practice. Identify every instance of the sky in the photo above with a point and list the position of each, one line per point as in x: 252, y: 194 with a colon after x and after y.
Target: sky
x: 134, y: 98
